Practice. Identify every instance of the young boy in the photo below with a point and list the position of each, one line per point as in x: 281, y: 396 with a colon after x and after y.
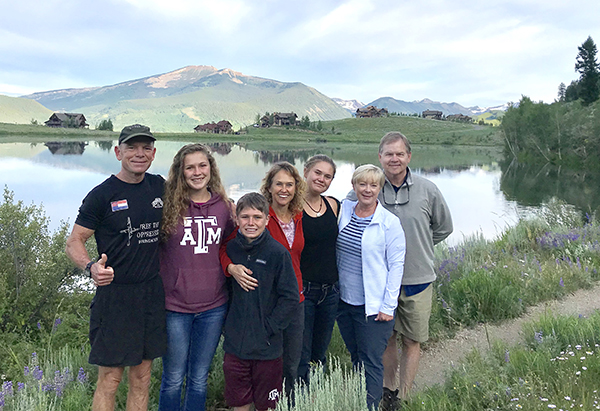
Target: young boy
x: 257, y: 317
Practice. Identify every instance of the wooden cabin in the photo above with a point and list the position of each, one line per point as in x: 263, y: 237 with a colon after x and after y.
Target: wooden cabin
x: 72, y: 120
x: 222, y: 127
x: 432, y: 114
x: 284, y: 119
x: 371, y: 111
x: 459, y: 117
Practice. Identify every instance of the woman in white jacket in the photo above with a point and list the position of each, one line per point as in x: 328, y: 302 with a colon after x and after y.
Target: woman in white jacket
x: 370, y: 258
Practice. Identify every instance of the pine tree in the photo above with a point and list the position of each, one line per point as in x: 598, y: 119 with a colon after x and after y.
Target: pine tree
x: 562, y: 89
x: 588, y: 67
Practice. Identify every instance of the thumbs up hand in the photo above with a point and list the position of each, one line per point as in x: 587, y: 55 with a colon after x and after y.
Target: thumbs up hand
x: 101, y: 274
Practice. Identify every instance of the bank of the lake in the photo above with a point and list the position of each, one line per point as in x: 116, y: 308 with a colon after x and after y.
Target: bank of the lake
x: 354, y: 130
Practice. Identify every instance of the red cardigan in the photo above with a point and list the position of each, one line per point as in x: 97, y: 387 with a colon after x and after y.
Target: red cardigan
x: 277, y: 233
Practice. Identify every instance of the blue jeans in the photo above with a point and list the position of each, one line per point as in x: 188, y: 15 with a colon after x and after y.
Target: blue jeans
x: 320, y: 310
x: 292, y: 349
x: 366, y: 339
x: 192, y: 341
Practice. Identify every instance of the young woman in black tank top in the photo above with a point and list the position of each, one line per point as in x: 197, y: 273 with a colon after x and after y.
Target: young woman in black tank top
x: 318, y: 262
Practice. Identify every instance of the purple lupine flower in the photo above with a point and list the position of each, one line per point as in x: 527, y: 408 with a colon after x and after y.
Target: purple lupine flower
x: 561, y: 282
x: 38, y: 373
x: 26, y: 371
x: 20, y: 386
x: 1, y: 400
x: 444, y: 304
x: 39, y: 326
x: 7, y: 388
x: 82, y: 376
x: 47, y: 387
x: 507, y: 357
x: 538, y: 336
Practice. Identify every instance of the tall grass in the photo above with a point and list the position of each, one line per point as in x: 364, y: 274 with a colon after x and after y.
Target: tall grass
x: 558, y: 369
x: 539, y: 259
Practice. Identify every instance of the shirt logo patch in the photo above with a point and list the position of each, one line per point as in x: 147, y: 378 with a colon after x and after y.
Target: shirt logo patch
x: 157, y: 203
x: 274, y: 395
x: 119, y: 205
x: 261, y: 261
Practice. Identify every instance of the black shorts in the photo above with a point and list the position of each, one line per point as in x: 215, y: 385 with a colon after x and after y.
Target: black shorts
x: 128, y: 324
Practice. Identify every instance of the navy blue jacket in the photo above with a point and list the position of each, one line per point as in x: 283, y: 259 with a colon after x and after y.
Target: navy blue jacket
x: 256, y: 319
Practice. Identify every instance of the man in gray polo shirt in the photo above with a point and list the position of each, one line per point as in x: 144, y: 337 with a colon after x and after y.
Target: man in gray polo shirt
x: 426, y: 221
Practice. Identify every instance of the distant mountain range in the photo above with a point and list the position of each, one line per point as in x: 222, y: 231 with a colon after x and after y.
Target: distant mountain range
x: 411, y: 107
x: 22, y: 111
x: 182, y: 99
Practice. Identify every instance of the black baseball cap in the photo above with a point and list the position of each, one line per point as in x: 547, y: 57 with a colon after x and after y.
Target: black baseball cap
x: 136, y: 130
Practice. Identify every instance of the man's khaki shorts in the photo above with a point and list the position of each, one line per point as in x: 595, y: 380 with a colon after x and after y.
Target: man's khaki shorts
x: 412, y: 314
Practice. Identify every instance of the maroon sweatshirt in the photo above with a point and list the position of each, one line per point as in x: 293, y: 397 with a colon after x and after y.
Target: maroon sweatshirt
x: 189, y: 261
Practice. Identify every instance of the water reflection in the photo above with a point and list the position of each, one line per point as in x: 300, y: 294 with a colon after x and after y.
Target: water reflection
x: 66, y: 147
x: 469, y: 177
x: 531, y: 185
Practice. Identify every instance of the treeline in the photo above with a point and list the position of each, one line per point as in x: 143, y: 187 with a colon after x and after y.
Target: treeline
x: 566, y: 131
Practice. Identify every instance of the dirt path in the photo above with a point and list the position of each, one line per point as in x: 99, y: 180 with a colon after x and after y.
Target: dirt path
x: 439, y: 357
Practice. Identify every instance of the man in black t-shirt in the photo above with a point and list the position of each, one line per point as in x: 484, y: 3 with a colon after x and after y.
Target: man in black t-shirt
x: 127, y: 315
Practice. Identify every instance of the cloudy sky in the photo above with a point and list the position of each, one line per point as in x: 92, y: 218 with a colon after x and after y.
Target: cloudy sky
x: 470, y: 52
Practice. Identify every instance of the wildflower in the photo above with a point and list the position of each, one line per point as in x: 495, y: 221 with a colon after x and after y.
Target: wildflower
x: 39, y: 326
x: 82, y: 376
x: 7, y: 388
x: 561, y: 282
x: 578, y: 373
x: 543, y: 399
x: 538, y: 336
x: 38, y: 373
x: 507, y: 356
x: 20, y: 386
x: 26, y: 371
x: 568, y: 398
x: 584, y: 368
x: 551, y: 406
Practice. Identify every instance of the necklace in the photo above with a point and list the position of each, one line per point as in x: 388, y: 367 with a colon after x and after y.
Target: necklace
x: 317, y: 212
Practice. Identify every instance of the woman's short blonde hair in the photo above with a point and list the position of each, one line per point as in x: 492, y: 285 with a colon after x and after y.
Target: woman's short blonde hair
x: 368, y: 173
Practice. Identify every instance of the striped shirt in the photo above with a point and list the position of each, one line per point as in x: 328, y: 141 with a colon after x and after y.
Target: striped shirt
x: 349, y: 260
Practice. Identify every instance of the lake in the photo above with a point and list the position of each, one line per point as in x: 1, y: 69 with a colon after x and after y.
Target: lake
x: 484, y: 193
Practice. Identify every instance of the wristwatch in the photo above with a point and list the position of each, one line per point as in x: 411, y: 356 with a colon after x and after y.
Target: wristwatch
x: 88, y: 268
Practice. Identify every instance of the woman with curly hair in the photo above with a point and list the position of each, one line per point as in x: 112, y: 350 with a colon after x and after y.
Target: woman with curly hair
x: 197, y: 216
x: 284, y: 188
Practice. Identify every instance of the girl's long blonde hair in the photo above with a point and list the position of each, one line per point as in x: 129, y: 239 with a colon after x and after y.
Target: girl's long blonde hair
x: 177, y: 192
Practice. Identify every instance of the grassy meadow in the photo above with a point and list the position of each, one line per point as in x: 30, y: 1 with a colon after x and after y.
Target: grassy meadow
x: 351, y: 130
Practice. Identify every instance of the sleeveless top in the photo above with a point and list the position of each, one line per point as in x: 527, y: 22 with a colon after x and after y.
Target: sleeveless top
x: 318, y: 261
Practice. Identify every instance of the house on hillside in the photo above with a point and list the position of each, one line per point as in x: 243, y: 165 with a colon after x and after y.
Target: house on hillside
x: 72, y: 120
x: 222, y: 127
x: 371, y: 111
x: 459, y: 117
x: 432, y: 114
x: 264, y: 121
x: 284, y: 119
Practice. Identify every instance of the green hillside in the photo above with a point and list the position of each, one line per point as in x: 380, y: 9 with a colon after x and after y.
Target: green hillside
x: 22, y: 110
x: 364, y: 130
x: 490, y: 117
x: 180, y: 100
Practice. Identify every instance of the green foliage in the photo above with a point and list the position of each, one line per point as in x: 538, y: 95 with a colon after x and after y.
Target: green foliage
x: 537, y: 260
x: 340, y: 389
x: 105, y: 125
x: 559, y: 133
x: 35, y: 273
x: 558, y: 370
x: 34, y: 122
x: 588, y: 67
x: 319, y: 125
